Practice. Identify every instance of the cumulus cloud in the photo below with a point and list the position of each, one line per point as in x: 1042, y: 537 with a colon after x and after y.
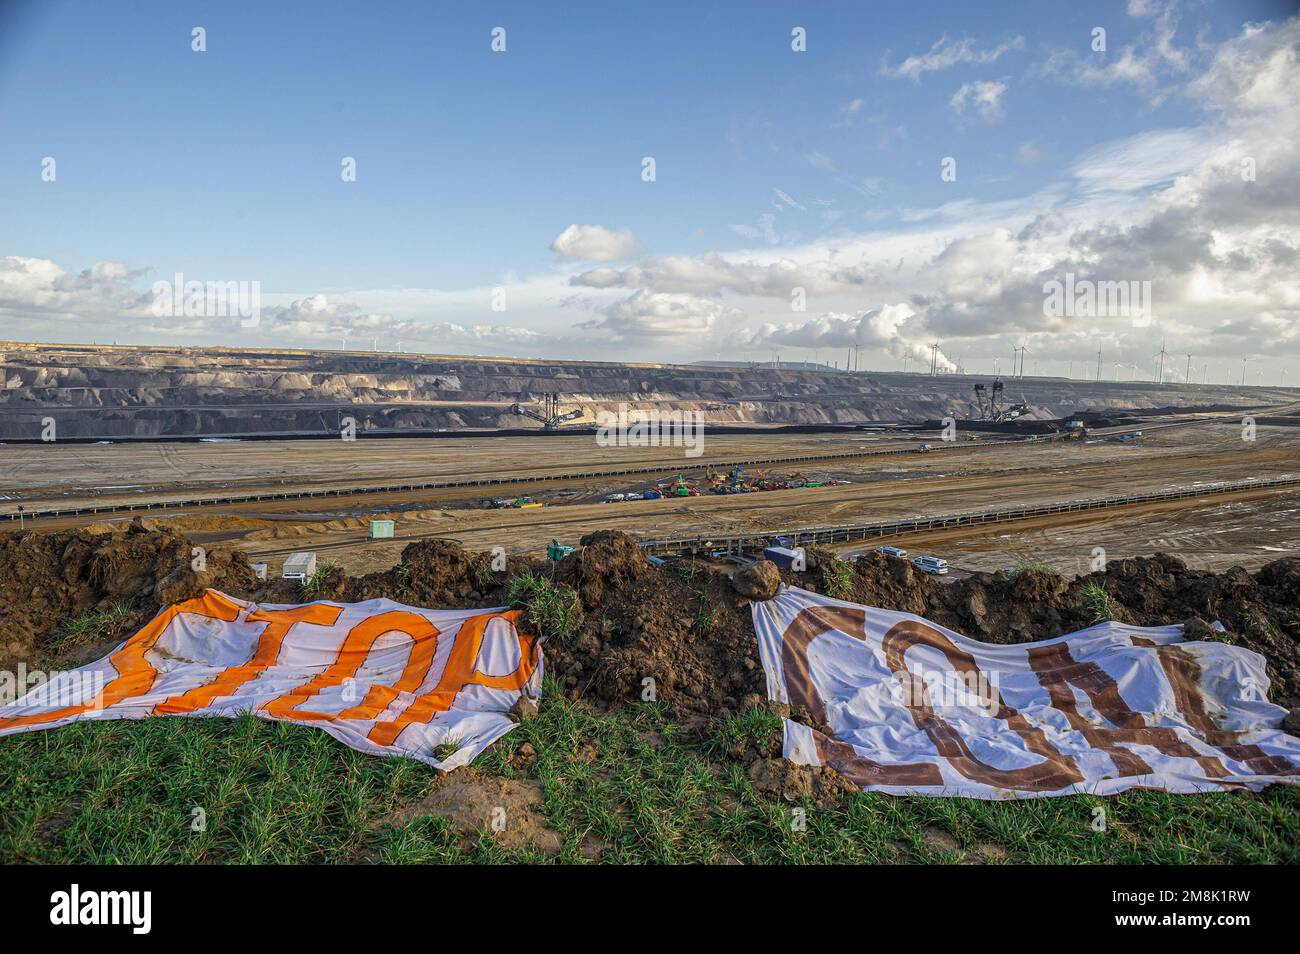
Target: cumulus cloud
x: 35, y: 290
x: 1154, y: 59
x: 647, y: 314
x: 316, y: 318
x: 891, y: 328
x: 984, y: 97
x: 945, y: 53
x: 713, y: 273
x: 596, y: 243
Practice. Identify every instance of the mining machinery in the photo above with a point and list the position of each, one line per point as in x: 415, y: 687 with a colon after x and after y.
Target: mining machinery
x: 550, y: 417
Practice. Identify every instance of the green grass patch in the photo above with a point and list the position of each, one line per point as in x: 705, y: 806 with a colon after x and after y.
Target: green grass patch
x: 1023, y: 566
x: 552, y: 607
x: 1097, y: 602
x: 90, y: 627
x: 313, y: 585
x: 757, y: 726
x: 628, y: 786
x: 837, y: 576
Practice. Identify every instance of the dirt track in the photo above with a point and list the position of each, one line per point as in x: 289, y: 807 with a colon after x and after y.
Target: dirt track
x: 884, y: 488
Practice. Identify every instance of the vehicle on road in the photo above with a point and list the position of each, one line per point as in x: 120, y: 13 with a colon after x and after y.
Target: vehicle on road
x: 893, y: 552
x: 931, y: 564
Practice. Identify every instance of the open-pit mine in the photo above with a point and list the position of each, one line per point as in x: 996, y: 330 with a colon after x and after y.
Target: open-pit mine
x: 277, y: 452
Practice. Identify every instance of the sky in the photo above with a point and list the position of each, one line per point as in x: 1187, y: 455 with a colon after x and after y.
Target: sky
x: 931, y: 181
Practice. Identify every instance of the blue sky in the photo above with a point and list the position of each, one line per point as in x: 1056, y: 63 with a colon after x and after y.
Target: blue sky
x: 225, y: 164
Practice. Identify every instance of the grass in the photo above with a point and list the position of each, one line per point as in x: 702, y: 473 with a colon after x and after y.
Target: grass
x: 1097, y: 602
x: 313, y: 585
x: 837, y: 577
x: 755, y: 727
x: 1023, y: 566
x: 484, y: 576
x: 552, y: 607
x: 90, y: 627
x: 447, y: 749
x: 125, y: 792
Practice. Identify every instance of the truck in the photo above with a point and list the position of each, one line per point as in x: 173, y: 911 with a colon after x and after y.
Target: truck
x: 784, y: 557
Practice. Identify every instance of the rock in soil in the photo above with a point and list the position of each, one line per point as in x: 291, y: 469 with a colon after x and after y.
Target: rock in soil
x: 758, y: 581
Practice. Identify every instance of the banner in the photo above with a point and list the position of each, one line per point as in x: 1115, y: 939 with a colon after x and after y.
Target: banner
x: 913, y: 708
x: 380, y: 677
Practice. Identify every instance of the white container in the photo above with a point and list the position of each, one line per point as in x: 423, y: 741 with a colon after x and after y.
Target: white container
x: 380, y: 529
x: 299, y: 566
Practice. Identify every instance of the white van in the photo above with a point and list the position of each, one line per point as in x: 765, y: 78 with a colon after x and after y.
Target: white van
x: 893, y: 552
x: 931, y: 564
x: 615, y: 498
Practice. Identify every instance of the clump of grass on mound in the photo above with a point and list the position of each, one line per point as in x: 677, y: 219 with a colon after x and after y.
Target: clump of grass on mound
x: 837, y: 576
x: 1023, y: 566
x: 1097, y: 602
x: 552, y: 607
x: 757, y: 727
x: 90, y: 627
x: 313, y: 585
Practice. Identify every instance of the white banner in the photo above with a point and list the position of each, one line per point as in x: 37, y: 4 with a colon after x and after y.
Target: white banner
x: 914, y: 708
x: 380, y: 677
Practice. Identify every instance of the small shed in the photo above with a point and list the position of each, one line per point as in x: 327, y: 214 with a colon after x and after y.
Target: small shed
x: 299, y: 566
x: 380, y: 529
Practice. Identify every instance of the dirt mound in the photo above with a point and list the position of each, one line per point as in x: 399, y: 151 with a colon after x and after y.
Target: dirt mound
x: 474, y: 804
x: 678, y: 634
x: 606, y: 564
x: 1260, y: 611
x: 73, y: 592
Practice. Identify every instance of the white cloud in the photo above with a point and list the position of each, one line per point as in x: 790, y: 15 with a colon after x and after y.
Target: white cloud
x: 1141, y: 161
x: 944, y: 54
x: 596, y: 243
x: 890, y: 329
x: 34, y: 291
x: 1028, y: 153
x: 819, y: 160
x: 984, y: 96
x: 660, y: 315
x: 1153, y: 60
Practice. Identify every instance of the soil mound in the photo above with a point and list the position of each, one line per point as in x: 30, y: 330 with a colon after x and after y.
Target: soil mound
x: 676, y: 634
x: 110, y: 582
x: 1259, y: 611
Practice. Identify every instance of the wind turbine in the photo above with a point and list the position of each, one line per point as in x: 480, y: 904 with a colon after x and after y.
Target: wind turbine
x: 1160, y: 375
